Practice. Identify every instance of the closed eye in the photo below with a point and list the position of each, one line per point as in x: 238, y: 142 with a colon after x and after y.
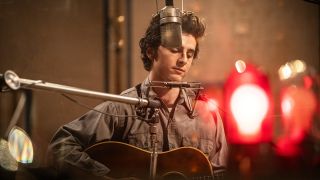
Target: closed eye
x: 175, y: 50
x: 190, y: 53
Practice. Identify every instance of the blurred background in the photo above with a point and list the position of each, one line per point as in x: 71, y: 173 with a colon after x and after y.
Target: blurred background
x: 272, y: 46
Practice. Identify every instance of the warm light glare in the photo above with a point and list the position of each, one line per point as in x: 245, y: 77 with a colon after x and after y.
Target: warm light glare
x: 120, y: 42
x: 249, y: 106
x: 285, y: 72
x: 291, y: 69
x: 20, y: 146
x: 240, y: 66
x: 299, y: 66
x: 212, y: 105
x: 287, y: 105
x: 120, y: 19
x: 298, y: 106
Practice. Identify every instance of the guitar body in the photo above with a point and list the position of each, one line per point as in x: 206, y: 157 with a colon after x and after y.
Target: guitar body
x: 126, y: 160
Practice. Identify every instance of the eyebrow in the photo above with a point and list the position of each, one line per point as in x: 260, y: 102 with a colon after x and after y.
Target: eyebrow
x: 188, y: 48
x: 191, y: 49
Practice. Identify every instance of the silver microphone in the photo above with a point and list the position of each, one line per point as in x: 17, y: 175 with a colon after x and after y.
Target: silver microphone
x: 175, y: 84
x: 170, y: 26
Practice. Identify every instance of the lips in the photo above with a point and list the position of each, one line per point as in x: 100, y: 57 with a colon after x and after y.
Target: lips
x: 179, y: 70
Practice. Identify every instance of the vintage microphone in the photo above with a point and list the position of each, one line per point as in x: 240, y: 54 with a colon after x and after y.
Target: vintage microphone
x: 170, y: 26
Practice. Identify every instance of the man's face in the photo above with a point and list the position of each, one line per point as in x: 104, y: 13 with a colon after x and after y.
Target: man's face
x: 172, y: 64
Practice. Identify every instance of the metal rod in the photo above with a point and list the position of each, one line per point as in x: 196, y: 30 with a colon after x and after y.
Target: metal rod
x: 172, y: 84
x: 16, y: 114
x: 154, y: 154
x: 14, y: 82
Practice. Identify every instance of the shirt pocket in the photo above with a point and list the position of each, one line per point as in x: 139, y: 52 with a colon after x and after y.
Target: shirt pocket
x: 206, y: 146
x: 189, y: 142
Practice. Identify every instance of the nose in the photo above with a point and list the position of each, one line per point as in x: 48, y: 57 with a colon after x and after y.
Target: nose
x: 182, y: 59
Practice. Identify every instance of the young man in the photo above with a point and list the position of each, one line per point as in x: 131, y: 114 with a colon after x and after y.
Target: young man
x: 176, y: 126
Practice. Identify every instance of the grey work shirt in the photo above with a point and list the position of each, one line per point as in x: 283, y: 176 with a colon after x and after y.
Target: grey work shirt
x: 176, y: 128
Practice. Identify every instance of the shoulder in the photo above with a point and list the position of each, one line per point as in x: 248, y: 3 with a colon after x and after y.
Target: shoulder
x: 131, y: 92
x: 203, y: 108
x: 114, y: 105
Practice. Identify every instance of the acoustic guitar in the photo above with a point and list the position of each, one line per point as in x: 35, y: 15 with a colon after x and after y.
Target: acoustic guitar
x: 126, y: 160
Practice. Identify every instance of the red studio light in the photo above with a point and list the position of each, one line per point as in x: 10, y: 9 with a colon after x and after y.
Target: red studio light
x: 248, y: 106
x: 298, y: 106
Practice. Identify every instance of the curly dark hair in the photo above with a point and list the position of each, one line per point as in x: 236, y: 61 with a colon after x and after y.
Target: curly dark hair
x: 191, y: 24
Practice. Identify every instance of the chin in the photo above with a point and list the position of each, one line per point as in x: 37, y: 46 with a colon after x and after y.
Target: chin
x: 175, y: 78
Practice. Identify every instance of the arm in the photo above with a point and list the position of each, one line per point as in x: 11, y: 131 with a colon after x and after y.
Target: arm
x: 219, y: 156
x: 69, y: 142
x: 213, y: 127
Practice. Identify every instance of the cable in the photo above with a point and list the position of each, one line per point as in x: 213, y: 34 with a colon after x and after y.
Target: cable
x: 108, y: 114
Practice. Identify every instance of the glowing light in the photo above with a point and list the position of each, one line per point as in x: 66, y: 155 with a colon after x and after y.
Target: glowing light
x: 287, y: 105
x: 249, y: 106
x: 240, y: 66
x: 212, y: 105
x: 285, y: 72
x: 299, y: 66
x: 20, y: 146
x: 120, y: 19
x: 120, y: 42
x: 291, y: 69
x: 298, y: 105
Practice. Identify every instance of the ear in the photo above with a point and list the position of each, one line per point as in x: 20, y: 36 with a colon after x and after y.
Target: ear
x: 150, y: 53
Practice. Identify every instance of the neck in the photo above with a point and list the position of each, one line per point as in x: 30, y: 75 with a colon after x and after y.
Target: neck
x: 167, y: 95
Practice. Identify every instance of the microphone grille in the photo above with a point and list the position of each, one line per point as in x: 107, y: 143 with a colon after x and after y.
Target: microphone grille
x: 171, y: 35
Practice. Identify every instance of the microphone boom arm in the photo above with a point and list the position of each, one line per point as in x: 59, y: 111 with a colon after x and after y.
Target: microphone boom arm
x: 13, y: 81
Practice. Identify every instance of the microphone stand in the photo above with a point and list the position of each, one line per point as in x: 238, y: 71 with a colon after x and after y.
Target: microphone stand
x: 154, y: 143
x: 155, y: 119
x: 12, y: 80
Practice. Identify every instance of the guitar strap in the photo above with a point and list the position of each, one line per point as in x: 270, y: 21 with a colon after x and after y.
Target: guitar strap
x: 143, y: 112
x: 138, y: 88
